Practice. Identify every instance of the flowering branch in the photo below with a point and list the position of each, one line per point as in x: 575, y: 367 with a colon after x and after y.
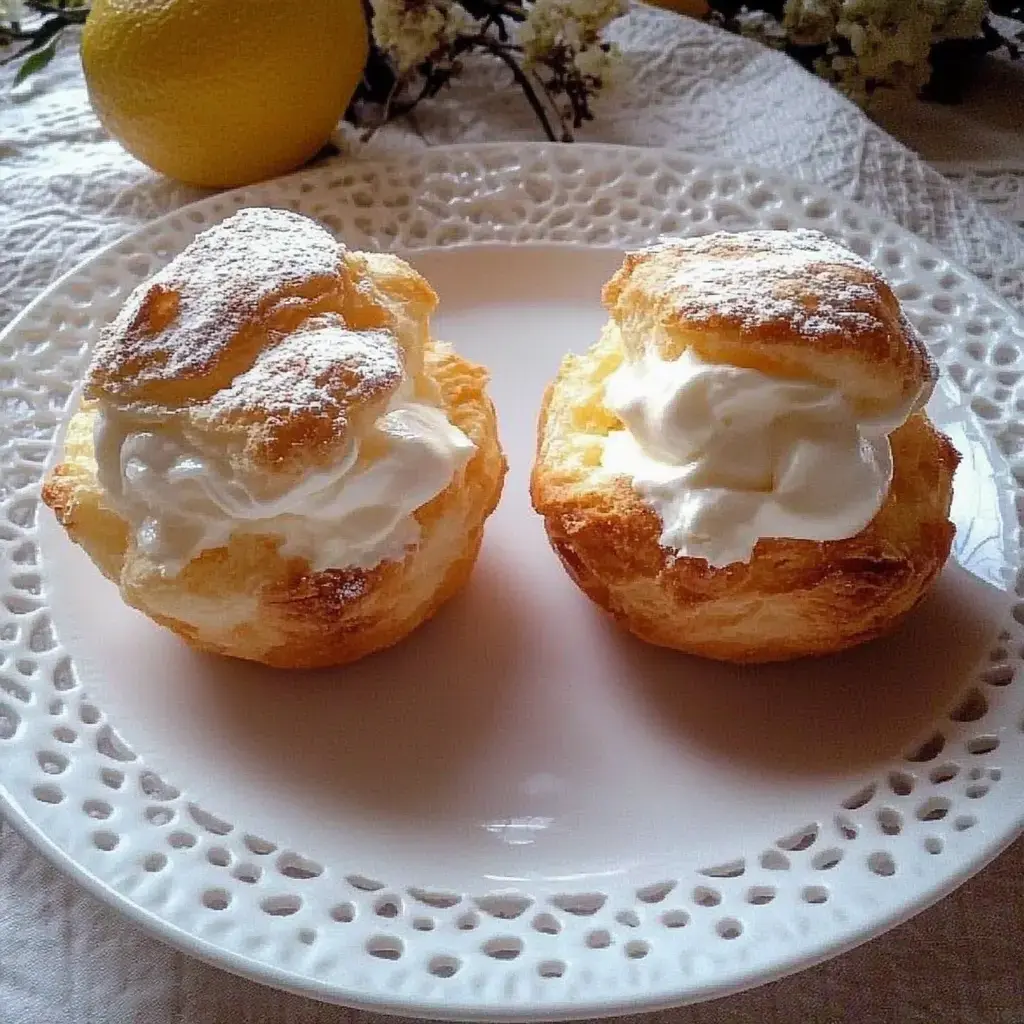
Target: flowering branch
x: 505, y: 54
x: 929, y: 47
x: 553, y: 49
x: 557, y: 56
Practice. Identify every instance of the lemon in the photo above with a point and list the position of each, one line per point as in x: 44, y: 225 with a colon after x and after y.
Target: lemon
x: 223, y: 92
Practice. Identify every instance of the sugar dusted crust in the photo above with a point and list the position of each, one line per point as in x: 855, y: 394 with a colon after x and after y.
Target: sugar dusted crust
x: 793, y: 598
x: 268, y: 341
x: 268, y: 338
x: 789, y: 303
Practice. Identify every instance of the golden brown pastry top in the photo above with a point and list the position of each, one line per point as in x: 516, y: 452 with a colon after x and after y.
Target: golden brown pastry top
x: 268, y: 338
x: 789, y: 303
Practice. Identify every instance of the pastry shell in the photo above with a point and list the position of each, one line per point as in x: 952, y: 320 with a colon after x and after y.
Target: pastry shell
x: 222, y: 345
x: 793, y: 598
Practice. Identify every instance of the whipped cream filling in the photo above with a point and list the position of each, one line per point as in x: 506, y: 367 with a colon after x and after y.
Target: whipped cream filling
x: 180, y: 501
x: 727, y: 455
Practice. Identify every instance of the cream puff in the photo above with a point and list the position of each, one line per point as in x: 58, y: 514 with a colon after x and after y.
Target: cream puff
x: 741, y: 467
x: 272, y: 456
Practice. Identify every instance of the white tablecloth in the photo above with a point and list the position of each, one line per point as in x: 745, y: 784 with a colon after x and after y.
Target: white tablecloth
x: 65, y: 190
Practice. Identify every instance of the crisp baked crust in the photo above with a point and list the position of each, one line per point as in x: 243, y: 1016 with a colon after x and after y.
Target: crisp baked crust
x: 280, y: 400
x: 267, y: 339
x: 794, y: 597
x: 788, y: 303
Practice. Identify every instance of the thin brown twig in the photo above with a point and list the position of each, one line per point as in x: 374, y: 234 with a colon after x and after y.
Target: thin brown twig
x: 9, y: 34
x: 39, y: 38
x: 73, y: 14
x: 524, y: 83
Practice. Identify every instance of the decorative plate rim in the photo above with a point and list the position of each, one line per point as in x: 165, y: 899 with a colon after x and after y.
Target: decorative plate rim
x: 549, y: 1008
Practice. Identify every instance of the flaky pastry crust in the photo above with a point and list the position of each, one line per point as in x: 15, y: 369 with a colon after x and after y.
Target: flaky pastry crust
x: 245, y: 599
x: 793, y: 598
x: 788, y: 303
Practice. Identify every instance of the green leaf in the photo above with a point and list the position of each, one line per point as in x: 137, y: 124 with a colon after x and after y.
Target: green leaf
x: 36, y: 61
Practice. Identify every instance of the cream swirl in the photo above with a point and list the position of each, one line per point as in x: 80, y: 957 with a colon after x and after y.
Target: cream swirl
x: 727, y: 455
x: 180, y: 501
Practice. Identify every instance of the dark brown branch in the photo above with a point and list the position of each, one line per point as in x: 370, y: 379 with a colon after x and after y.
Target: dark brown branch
x: 71, y: 15
x: 39, y: 38
x: 524, y: 83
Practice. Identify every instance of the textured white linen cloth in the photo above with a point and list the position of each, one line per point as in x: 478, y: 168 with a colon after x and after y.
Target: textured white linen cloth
x: 66, y: 190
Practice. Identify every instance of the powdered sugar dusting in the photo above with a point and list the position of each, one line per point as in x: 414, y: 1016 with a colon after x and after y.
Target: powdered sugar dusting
x: 299, y: 420
x: 757, y: 278
x: 341, y: 587
x: 177, y: 323
x: 322, y: 369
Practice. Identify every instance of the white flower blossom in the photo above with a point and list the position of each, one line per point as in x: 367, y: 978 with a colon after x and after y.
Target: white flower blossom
x: 593, y: 62
x: 410, y: 31
x: 572, y: 24
x: 956, y: 19
x: 600, y: 66
x: 810, y: 22
x: 554, y: 48
x: 889, y: 41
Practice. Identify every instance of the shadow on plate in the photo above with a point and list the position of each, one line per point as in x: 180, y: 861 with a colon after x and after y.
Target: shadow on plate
x: 395, y: 732
x: 831, y: 715
x: 406, y: 734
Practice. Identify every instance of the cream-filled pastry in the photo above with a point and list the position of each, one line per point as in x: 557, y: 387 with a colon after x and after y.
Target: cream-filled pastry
x: 272, y: 456
x: 741, y: 467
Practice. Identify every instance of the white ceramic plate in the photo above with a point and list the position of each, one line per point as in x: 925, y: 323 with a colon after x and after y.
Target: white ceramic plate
x: 519, y: 812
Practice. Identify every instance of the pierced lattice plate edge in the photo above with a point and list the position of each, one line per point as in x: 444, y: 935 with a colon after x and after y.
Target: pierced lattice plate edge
x: 555, y: 991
